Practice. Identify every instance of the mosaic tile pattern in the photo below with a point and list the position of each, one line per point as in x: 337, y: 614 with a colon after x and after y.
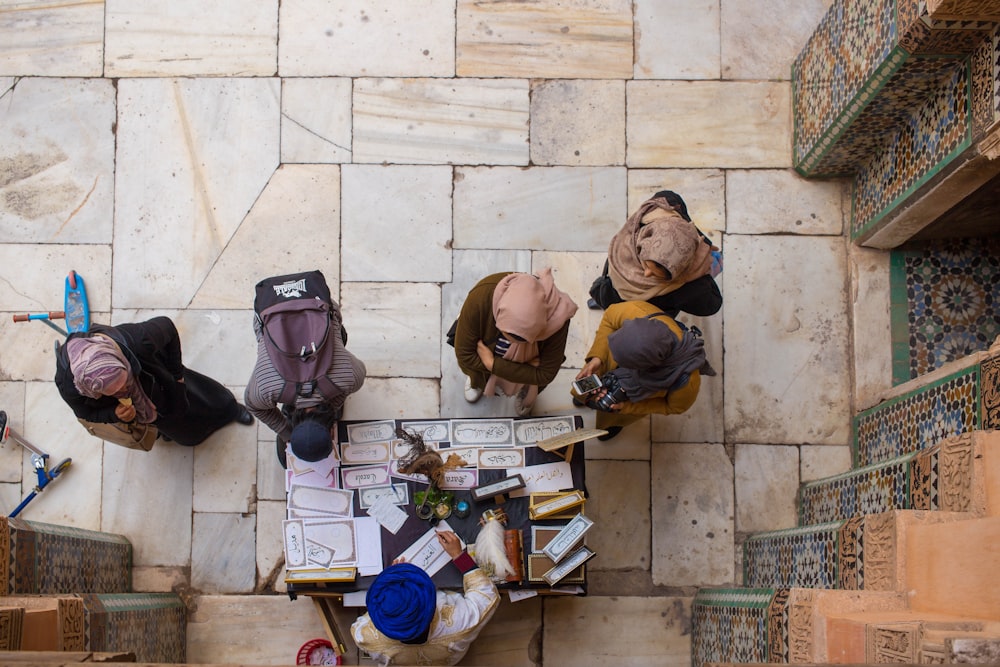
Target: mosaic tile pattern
x: 153, y: 625
x: 920, y: 146
x: 945, y: 301
x: 879, y: 487
x: 917, y: 420
x: 48, y: 559
x: 803, y: 557
x: 730, y: 625
x: 884, y: 92
x: 851, y: 49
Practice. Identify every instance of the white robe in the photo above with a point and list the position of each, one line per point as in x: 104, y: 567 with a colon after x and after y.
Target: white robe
x: 457, y: 621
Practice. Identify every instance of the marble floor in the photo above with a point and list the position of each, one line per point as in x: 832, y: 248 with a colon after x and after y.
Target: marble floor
x: 175, y: 153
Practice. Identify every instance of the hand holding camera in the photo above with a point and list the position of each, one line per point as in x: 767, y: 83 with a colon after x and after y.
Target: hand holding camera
x: 612, y: 393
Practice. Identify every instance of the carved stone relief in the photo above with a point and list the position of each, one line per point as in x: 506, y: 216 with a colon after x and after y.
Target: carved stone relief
x: 880, y: 552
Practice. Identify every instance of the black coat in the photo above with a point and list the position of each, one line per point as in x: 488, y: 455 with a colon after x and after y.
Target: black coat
x: 153, y: 350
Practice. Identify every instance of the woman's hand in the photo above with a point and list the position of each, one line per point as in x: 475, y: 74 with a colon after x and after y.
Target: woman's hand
x: 125, y: 413
x: 452, y: 545
x: 592, y: 367
x: 485, y: 355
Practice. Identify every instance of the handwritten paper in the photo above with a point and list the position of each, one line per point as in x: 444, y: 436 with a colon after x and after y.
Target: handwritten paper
x: 460, y: 479
x: 337, y: 535
x: 490, y: 457
x: 427, y: 553
x: 295, y: 543
x: 367, y: 453
x: 468, y: 454
x: 356, y: 478
x: 482, y: 432
x: 387, y: 514
x: 530, y: 431
x: 544, y: 477
x: 430, y: 431
x: 368, y: 432
x: 323, y: 467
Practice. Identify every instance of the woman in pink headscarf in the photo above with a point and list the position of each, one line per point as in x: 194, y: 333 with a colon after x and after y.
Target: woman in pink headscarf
x: 510, y: 337
x: 133, y: 372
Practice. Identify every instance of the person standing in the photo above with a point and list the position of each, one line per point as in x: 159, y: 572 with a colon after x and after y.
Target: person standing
x: 660, y: 256
x: 511, y: 336
x: 301, y: 412
x: 410, y: 622
x: 133, y: 373
x: 648, y: 363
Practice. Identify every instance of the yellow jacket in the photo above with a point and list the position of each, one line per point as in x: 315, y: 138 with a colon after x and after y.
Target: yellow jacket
x: 663, y: 403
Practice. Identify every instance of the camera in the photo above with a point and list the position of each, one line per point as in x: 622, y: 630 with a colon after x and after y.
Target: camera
x: 615, y: 393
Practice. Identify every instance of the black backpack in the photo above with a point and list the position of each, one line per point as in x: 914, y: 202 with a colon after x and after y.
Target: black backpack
x: 297, y: 317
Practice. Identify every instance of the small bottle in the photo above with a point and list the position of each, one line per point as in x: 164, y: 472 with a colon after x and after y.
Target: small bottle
x: 462, y: 509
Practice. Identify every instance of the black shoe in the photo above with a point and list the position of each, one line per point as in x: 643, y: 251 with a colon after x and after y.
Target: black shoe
x: 244, y: 417
x: 612, y: 432
x: 593, y: 305
x: 282, y: 459
x: 578, y: 403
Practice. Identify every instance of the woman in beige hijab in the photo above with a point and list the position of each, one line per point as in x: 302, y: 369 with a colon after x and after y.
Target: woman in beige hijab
x: 510, y: 336
x: 659, y: 256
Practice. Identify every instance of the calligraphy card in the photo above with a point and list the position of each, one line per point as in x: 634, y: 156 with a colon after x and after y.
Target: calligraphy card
x: 430, y: 431
x: 544, y: 477
x: 468, y: 454
x: 460, y: 479
x: 482, y: 432
x: 306, y: 514
x: 367, y: 453
x: 399, y: 493
x: 427, y: 553
x: 490, y: 457
x: 529, y: 431
x: 368, y: 432
x: 337, y: 535
x: 338, y: 502
x: 360, y: 477
x: 295, y: 543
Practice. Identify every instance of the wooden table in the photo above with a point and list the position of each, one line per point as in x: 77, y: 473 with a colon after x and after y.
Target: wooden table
x: 467, y: 528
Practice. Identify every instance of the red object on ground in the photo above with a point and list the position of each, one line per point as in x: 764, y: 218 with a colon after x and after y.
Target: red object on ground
x: 317, y: 652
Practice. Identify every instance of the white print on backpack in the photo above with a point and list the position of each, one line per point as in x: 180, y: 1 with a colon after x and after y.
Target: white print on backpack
x: 291, y: 289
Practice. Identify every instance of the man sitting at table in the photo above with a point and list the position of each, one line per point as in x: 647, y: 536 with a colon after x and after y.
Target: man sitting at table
x: 410, y: 622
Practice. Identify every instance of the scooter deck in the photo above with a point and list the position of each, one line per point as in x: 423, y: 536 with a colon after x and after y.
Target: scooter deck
x: 76, y: 307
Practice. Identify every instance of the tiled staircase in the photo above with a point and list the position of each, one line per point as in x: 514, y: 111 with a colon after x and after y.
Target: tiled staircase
x: 900, y: 96
x: 892, y: 561
x: 68, y: 589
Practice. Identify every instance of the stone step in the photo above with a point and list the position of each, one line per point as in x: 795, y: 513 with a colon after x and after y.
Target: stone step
x: 961, y: 397
x: 41, y: 558
x: 960, y: 474
x: 806, y: 626
x: 152, y: 626
x: 860, y: 553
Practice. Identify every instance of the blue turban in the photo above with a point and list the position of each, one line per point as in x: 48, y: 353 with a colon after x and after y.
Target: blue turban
x: 401, y: 602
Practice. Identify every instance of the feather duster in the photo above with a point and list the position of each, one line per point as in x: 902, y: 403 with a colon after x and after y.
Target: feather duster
x: 489, y: 550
